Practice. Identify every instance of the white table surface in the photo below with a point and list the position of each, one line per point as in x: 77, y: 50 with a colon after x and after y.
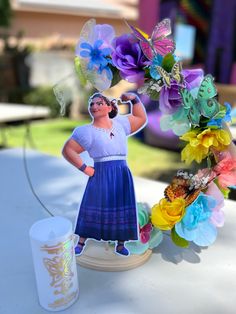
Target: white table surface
x: 174, y: 280
x: 15, y: 112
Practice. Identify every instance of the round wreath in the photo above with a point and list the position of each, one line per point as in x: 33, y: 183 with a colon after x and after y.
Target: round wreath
x: 192, y: 205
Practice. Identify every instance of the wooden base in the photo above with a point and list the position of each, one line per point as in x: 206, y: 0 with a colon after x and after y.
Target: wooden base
x: 101, y: 256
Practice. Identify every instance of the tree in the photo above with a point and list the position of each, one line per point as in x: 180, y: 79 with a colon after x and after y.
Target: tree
x: 5, y: 13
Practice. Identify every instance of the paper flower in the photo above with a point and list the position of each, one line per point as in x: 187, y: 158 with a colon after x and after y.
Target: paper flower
x: 217, y: 218
x: 93, y: 50
x: 145, y: 233
x: 170, y: 98
x: 98, y: 57
x: 196, y: 224
x: 166, y: 214
x: 129, y: 59
x: 226, y: 171
x: 200, y: 143
x: 149, y: 236
x: 177, y: 122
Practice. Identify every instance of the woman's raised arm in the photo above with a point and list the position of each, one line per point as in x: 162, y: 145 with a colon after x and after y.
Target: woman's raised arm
x: 138, y: 117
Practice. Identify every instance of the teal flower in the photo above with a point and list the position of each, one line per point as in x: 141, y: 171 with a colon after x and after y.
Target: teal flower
x: 177, y: 122
x: 196, y: 224
x: 150, y: 237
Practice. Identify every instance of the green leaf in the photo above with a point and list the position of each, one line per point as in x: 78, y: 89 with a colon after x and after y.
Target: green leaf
x: 178, y: 240
x: 116, y: 76
x: 208, y: 162
x: 79, y: 71
x: 153, y: 94
x: 147, y: 73
x: 225, y: 192
x: 168, y: 62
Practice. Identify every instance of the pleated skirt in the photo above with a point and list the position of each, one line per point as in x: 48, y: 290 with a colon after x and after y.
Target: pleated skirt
x: 108, y: 208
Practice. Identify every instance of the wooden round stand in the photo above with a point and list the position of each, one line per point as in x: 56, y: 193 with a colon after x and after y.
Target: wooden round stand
x: 101, y: 256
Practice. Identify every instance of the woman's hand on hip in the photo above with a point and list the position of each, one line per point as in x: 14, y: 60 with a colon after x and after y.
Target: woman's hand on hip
x: 89, y: 171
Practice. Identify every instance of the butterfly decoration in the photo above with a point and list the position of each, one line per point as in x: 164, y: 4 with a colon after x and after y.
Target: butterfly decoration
x: 158, y: 43
x: 145, y: 233
x: 180, y: 187
x: 174, y: 75
x: 205, y: 104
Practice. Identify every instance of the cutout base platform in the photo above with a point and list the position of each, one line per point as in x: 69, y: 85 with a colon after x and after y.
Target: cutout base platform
x: 101, y: 256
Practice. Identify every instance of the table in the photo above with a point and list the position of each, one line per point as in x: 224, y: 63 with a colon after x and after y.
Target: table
x: 174, y: 280
x: 10, y: 113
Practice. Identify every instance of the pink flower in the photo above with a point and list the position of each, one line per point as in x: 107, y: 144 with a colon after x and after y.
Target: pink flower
x: 145, y: 233
x: 206, y: 173
x: 226, y: 171
x: 217, y: 217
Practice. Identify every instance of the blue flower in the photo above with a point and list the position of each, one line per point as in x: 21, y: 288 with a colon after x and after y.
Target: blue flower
x: 107, y: 69
x: 157, y: 60
x: 96, y: 54
x: 226, y: 118
x: 196, y: 225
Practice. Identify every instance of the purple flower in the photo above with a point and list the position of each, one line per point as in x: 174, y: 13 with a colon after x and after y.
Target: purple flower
x: 170, y: 98
x: 129, y: 59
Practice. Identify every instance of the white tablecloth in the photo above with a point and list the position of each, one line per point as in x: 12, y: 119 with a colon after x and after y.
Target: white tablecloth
x: 174, y: 280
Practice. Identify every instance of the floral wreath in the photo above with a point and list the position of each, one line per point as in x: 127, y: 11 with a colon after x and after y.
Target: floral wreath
x: 192, y: 206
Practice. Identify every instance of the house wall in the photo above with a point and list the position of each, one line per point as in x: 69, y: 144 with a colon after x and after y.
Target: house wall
x: 40, y: 25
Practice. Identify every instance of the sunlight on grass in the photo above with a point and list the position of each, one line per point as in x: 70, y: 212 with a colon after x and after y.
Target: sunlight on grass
x: 49, y: 137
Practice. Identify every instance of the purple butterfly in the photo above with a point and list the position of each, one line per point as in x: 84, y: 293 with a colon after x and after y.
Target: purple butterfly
x: 158, y: 43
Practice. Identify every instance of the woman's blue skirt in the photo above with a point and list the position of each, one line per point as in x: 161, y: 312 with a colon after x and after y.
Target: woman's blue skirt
x: 108, y: 207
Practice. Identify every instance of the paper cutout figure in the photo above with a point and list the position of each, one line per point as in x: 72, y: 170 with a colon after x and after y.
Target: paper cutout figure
x: 108, y: 208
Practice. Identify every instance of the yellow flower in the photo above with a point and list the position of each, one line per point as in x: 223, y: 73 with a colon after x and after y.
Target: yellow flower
x: 201, y: 143
x: 165, y: 214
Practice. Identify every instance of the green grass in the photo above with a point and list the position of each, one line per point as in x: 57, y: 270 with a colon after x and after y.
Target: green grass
x: 49, y: 137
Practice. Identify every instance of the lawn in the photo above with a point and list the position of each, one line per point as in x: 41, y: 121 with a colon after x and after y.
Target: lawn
x: 49, y: 136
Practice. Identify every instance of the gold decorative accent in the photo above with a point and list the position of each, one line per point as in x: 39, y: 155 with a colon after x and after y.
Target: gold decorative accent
x: 58, y: 248
x: 64, y: 300
x: 59, y: 266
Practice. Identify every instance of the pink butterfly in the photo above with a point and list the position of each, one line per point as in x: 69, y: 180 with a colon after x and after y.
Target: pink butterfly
x: 158, y: 43
x: 145, y: 233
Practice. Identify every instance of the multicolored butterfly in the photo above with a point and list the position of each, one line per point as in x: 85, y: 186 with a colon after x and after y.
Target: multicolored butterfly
x: 205, y: 104
x: 179, y: 187
x: 175, y: 74
x: 158, y: 43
